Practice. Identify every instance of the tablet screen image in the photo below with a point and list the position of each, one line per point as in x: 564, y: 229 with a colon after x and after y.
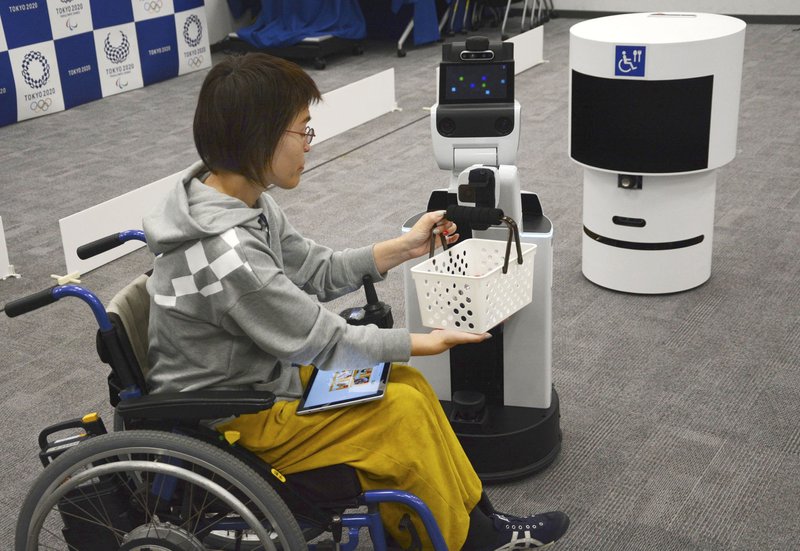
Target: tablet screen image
x: 333, y: 389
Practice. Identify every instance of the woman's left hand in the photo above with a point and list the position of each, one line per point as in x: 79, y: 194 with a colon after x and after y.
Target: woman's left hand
x: 416, y: 242
x: 418, y: 238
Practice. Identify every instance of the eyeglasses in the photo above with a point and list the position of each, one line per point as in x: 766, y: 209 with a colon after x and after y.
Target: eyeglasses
x: 309, y: 134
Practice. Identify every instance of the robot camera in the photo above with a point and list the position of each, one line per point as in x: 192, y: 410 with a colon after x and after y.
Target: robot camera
x: 488, y: 55
x: 476, y: 48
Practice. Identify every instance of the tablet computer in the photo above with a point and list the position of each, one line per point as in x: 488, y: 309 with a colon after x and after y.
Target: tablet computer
x: 335, y: 389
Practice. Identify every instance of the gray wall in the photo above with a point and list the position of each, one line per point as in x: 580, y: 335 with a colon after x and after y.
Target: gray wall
x: 739, y: 7
x: 220, y: 21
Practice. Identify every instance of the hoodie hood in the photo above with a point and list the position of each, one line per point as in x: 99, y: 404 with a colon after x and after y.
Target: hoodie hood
x: 195, y: 211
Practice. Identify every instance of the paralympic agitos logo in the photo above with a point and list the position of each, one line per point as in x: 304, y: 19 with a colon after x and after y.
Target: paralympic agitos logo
x: 116, y: 53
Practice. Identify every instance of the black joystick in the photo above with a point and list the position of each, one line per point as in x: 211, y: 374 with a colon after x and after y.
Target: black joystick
x: 373, y: 312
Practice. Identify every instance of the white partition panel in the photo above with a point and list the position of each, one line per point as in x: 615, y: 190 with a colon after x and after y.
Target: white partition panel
x: 528, y: 49
x: 118, y: 214
x: 353, y: 104
x: 5, y: 267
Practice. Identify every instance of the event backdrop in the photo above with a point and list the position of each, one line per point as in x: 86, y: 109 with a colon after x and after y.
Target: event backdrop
x: 56, y: 54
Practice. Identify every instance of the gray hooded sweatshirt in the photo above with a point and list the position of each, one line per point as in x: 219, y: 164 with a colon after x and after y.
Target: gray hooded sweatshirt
x: 230, y: 297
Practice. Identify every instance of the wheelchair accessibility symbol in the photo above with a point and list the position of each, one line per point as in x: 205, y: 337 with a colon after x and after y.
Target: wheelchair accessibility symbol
x: 630, y: 61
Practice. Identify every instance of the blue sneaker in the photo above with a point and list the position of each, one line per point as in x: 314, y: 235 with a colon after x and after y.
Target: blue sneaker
x: 529, y: 532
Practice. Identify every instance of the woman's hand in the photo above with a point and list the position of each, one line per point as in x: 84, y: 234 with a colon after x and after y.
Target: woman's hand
x: 439, y: 340
x: 415, y: 243
x: 418, y: 238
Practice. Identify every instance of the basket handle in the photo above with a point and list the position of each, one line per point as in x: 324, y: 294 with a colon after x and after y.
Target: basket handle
x: 486, y: 215
x: 433, y: 243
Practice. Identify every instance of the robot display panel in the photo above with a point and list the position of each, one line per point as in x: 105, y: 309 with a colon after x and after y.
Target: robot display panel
x: 475, y: 82
x: 641, y: 126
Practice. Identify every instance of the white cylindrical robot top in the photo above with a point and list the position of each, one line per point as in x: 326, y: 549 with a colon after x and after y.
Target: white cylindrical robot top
x: 655, y: 93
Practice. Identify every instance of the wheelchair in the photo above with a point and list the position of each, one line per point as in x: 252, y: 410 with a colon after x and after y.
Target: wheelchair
x: 163, y: 481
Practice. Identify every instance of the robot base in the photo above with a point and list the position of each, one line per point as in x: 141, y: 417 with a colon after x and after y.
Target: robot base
x: 512, y: 442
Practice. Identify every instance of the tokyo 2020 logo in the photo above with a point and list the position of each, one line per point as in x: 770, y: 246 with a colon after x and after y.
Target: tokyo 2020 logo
x: 31, y: 59
x: 193, y: 39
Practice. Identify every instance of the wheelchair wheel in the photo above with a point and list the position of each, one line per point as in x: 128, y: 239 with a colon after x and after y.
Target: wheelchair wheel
x: 153, y: 491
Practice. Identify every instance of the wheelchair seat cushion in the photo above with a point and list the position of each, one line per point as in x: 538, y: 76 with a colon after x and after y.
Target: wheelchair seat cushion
x: 132, y: 305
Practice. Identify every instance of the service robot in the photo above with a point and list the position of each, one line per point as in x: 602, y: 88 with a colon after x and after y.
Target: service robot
x: 498, y: 394
x: 654, y: 112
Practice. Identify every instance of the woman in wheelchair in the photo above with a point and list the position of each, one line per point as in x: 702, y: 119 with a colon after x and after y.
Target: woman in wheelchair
x: 231, y: 309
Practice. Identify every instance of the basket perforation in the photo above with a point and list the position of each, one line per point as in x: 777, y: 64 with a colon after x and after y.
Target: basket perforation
x: 464, y: 288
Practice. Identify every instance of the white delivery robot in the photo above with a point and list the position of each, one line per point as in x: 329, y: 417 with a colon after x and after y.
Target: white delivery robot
x: 499, y: 393
x: 654, y: 105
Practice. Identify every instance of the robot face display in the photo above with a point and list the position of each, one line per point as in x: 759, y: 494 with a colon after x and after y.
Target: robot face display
x: 476, y: 75
x: 476, y: 120
x: 479, y: 83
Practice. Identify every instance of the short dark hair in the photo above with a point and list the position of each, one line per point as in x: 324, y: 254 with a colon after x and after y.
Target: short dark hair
x: 246, y: 104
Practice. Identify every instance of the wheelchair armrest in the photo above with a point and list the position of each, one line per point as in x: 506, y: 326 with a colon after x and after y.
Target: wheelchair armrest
x: 195, y: 405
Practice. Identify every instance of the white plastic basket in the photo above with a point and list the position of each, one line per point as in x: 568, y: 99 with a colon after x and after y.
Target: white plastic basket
x: 464, y: 287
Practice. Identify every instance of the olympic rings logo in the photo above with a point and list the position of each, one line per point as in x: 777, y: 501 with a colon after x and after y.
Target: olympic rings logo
x: 187, y: 25
x: 29, y: 58
x: 195, y: 62
x: 152, y: 5
x: 41, y: 106
x: 117, y: 54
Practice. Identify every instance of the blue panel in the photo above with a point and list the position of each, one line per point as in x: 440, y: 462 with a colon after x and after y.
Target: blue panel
x: 25, y: 22
x: 77, y: 65
x: 107, y: 13
x: 158, y: 48
x: 8, y: 92
x: 183, y: 5
x: 287, y: 22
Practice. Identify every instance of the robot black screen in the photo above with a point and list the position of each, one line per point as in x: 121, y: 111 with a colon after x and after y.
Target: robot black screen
x: 476, y: 83
x: 641, y: 126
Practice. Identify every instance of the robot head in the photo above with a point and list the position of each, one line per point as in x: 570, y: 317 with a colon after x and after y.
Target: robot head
x: 476, y: 120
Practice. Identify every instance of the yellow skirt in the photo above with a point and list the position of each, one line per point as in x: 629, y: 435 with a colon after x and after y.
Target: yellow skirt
x: 401, y: 442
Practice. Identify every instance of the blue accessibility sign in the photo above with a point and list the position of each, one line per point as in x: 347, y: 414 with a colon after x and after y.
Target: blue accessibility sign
x: 630, y: 61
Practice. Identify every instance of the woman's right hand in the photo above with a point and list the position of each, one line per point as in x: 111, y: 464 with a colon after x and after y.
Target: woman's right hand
x: 439, y: 340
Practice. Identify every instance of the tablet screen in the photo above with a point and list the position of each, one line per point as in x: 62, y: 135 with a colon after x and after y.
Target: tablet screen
x: 331, y: 389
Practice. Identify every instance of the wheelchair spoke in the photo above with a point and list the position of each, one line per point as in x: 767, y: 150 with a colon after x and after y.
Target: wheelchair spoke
x: 88, y: 517
x: 203, y: 521
x: 57, y: 538
x: 103, y: 519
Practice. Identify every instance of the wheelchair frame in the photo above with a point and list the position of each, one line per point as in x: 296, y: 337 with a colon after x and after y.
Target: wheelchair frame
x: 163, y: 436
